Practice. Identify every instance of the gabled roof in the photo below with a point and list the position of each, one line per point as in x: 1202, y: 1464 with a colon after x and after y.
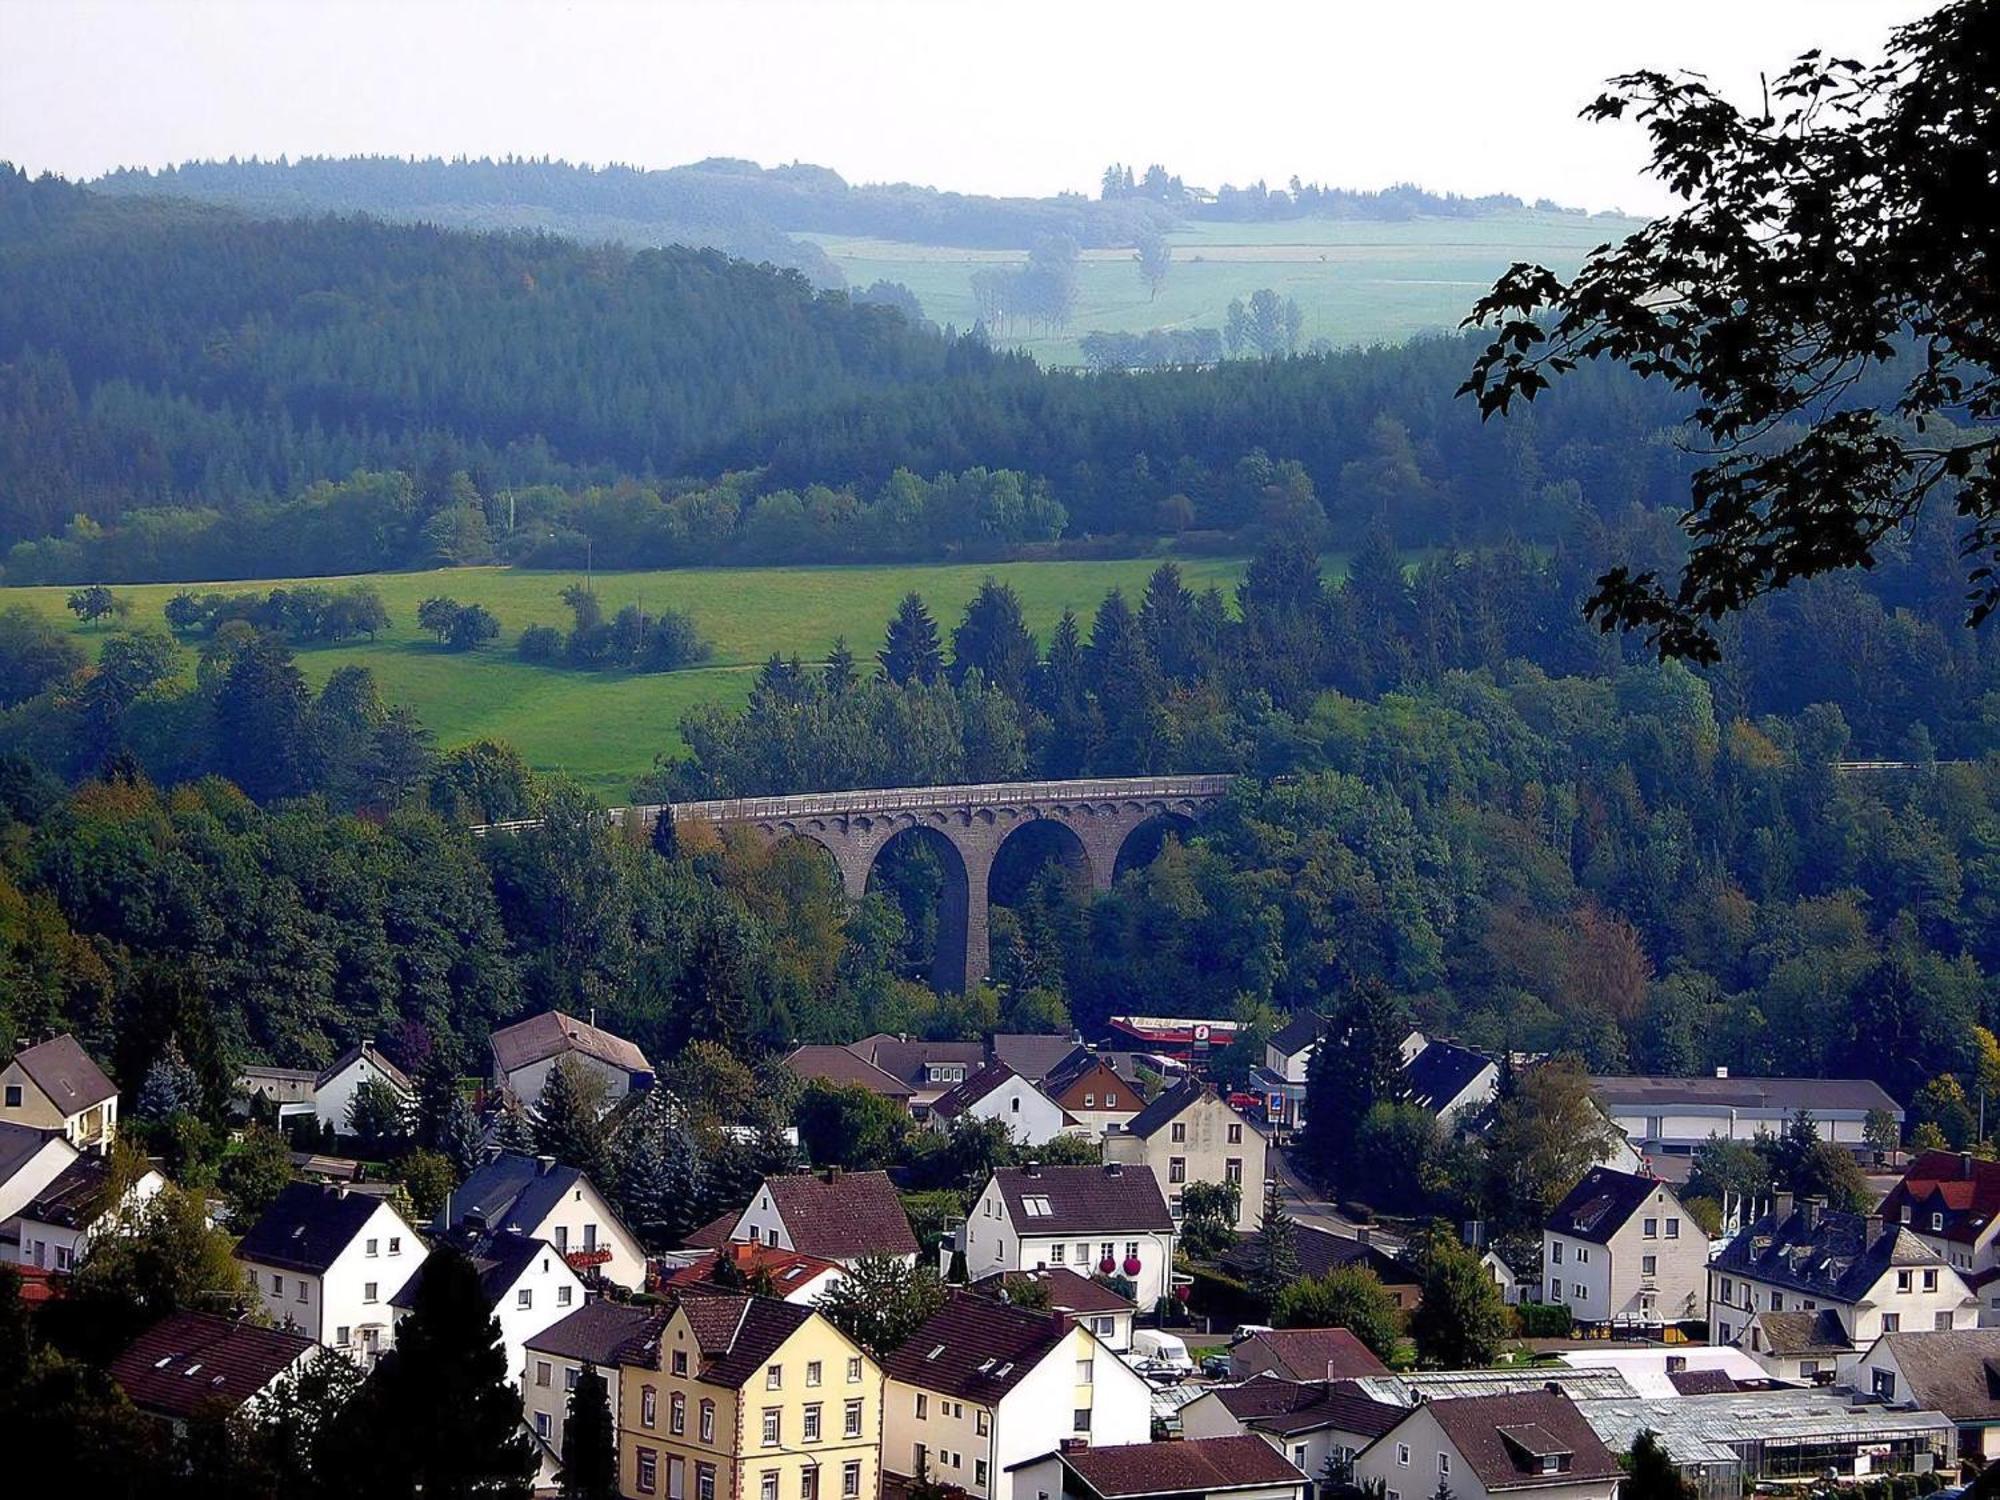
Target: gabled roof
x: 1312, y: 1353
x: 846, y: 1068
x: 1191, y: 1466
x: 842, y: 1216
x: 21, y: 1144
x: 788, y: 1269
x: 1068, y: 1292
x: 369, y: 1050
x: 306, y: 1227
x: 961, y: 1097
x: 77, y: 1196
x: 1599, y: 1205
x: 1088, y: 1200
x: 1166, y: 1107
x: 1962, y: 1188
x: 516, y: 1191
x: 1075, y: 1068
x: 594, y: 1333
x: 909, y: 1058
x: 1791, y: 1333
x: 1957, y: 1373
x: 1035, y: 1056
x: 190, y: 1360
x: 61, y: 1069
x: 1504, y: 1438
x: 552, y: 1033
x: 976, y: 1349
x: 1440, y: 1073
x: 1271, y: 1403
x: 1298, y: 1034
x: 1823, y: 1253
x: 500, y: 1259
x: 738, y: 1335
x: 1322, y: 1250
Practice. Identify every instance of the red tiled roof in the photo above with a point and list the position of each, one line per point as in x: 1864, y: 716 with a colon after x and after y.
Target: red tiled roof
x: 840, y: 1218
x: 1964, y: 1188
x: 1312, y: 1354
x: 1068, y: 1292
x: 191, y: 1360
x: 788, y: 1269
x: 713, y: 1235
x: 1190, y: 1466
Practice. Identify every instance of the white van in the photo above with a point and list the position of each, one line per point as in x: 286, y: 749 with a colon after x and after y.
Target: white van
x: 1161, y: 1351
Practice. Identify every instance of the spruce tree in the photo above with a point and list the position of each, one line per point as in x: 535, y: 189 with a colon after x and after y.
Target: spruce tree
x: 567, y: 1123
x: 659, y: 1171
x: 437, y: 1090
x: 911, y: 652
x: 460, y: 1140
x: 839, y: 676
x: 1275, y: 1263
x: 590, y: 1445
x: 1356, y: 1066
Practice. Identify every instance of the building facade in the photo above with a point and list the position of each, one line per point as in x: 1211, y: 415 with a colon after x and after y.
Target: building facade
x: 1111, y: 1220
x: 1620, y: 1251
x: 1190, y: 1135
x: 327, y: 1262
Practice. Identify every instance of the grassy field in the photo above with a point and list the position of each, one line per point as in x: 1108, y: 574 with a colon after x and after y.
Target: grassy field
x: 605, y: 728
x: 1356, y: 283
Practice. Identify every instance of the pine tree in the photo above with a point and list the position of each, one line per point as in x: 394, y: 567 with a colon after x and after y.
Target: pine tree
x: 460, y: 1139
x: 511, y: 1129
x: 437, y: 1091
x: 1275, y: 1262
x: 659, y: 1171
x: 590, y: 1446
x: 993, y: 639
x: 911, y: 652
x: 839, y: 676
x: 567, y: 1123
x: 1357, y: 1065
x: 170, y: 1087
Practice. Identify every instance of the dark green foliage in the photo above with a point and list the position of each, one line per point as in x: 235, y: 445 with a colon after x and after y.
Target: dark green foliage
x: 1208, y: 1217
x: 568, y: 1119
x: 850, y: 1127
x: 910, y: 652
x: 1357, y: 1066
x: 1650, y: 1473
x: 590, y: 1441
x: 1346, y: 1297
x: 1545, y: 1320
x: 1275, y: 1259
x: 1460, y: 1320
x: 255, y: 1173
x: 881, y: 1302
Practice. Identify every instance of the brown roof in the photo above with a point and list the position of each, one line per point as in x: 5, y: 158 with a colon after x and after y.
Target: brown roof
x: 1702, y: 1382
x: 1085, y: 1200
x: 1273, y: 1404
x: 594, y: 1333
x: 373, y: 1053
x: 975, y: 1349
x: 192, y: 1359
x: 1957, y: 1373
x: 1192, y: 1465
x: 1504, y: 1438
x: 713, y: 1235
x: 1321, y: 1251
x: 977, y: 1086
x: 1313, y: 1354
x: 61, y: 1069
x: 909, y: 1058
x: 552, y: 1033
x: 1068, y: 1292
x: 842, y: 1216
x: 845, y: 1067
x: 1960, y: 1189
x: 738, y: 1335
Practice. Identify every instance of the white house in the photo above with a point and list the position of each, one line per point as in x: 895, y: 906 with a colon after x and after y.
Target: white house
x: 587, y: 1338
x: 1188, y: 1135
x: 525, y: 1282
x: 1111, y: 1219
x: 997, y: 1092
x: 840, y: 1216
x: 54, y: 1086
x: 1951, y: 1201
x: 1282, y: 1079
x: 1949, y: 1372
x: 1804, y: 1289
x: 1621, y: 1251
x: 538, y: 1197
x: 327, y: 1261
x: 1491, y: 1445
x: 30, y: 1159
x: 1450, y: 1080
x: 1319, y: 1425
x: 336, y: 1084
x: 1219, y: 1468
x: 524, y: 1053
x: 54, y: 1230
x: 789, y: 1275
x: 983, y: 1386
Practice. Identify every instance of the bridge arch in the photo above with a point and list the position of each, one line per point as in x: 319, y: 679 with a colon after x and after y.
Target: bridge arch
x: 1142, y: 844
x: 949, y: 969
x: 1030, y: 845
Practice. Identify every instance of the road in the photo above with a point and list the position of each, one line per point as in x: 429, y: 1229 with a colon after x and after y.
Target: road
x: 1306, y: 1206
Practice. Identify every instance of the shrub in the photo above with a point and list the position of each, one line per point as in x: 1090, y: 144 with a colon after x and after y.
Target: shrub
x: 1545, y: 1320
x: 540, y: 644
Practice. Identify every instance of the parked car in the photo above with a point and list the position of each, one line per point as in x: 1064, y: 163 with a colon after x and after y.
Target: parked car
x: 1216, y: 1366
x: 1151, y: 1345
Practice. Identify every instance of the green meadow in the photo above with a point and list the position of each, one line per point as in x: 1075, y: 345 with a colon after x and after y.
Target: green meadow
x: 606, y: 728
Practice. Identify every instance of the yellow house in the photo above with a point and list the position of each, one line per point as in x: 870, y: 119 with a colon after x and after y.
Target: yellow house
x: 749, y: 1398
x: 54, y: 1086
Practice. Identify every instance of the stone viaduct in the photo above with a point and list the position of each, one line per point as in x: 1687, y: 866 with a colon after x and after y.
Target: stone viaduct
x: 1087, y: 825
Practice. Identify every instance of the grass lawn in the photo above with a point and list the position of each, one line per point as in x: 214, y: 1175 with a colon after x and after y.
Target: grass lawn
x: 1356, y: 282
x: 606, y: 728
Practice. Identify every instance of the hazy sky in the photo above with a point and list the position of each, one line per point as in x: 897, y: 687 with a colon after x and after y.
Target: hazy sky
x: 1007, y: 96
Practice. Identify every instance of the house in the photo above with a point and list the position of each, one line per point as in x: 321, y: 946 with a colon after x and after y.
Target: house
x: 841, y: 1216
x: 995, y: 1091
x: 1079, y: 1298
x: 1675, y: 1115
x: 1112, y: 1219
x: 1854, y: 1278
x: 745, y: 1265
x: 327, y: 1261
x: 1491, y: 1445
x: 1189, y: 1135
x: 1955, y: 1373
x: 1035, y: 1055
x: 1951, y: 1201
x: 928, y: 1068
x: 1303, y: 1354
x: 1217, y: 1468
x: 1622, y: 1252
x: 1320, y: 1425
x: 335, y: 1086
x: 1449, y: 1080
x: 288, y: 1091
x: 982, y: 1386
x: 748, y: 1398
x: 524, y: 1053
x: 30, y: 1159
x: 1323, y: 1250
x: 525, y: 1281
x: 588, y: 1337
x: 1090, y: 1091
x: 54, y: 1230
x: 54, y: 1086
x: 1504, y: 1279
x: 535, y: 1196
x: 843, y: 1067
x: 195, y: 1362
x: 1282, y: 1079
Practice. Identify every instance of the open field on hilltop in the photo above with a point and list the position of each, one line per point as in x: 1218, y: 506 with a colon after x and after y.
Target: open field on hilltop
x: 605, y: 728
x: 1356, y: 282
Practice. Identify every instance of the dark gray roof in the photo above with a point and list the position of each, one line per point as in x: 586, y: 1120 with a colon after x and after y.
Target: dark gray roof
x: 1166, y: 1107
x: 79, y: 1194
x: 910, y: 1058
x: 1957, y: 1373
x: 1821, y: 1252
x: 594, y: 1333
x: 1297, y: 1034
x: 1322, y: 1250
x: 1504, y: 1438
x: 1598, y: 1206
x: 306, y: 1227
x: 1441, y: 1072
x: 18, y: 1145
x: 1271, y: 1403
x: 63, y: 1070
x: 512, y: 1191
x: 976, y: 1349
x: 1783, y: 1095
x: 1034, y: 1056
x: 499, y: 1258
x: 977, y: 1085
x: 1085, y: 1199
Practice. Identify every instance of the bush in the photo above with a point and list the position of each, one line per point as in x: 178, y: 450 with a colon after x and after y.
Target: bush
x: 540, y: 644
x: 1545, y: 1320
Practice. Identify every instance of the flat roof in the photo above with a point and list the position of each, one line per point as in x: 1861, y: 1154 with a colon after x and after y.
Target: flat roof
x: 1703, y: 1429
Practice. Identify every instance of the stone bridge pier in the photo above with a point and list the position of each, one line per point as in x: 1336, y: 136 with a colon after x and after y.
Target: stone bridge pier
x: 1087, y: 825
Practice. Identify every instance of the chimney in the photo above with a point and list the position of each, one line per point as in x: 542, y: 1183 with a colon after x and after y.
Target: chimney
x: 1363, y: 1235
x: 832, y: 1176
x: 474, y: 1223
x: 1722, y: 1072
x: 1781, y: 1207
x: 1965, y: 1163
x: 1032, y: 1169
x: 1553, y: 1387
x: 1878, y: 1226
x: 1114, y: 1169
x: 545, y: 1164
x: 1809, y: 1210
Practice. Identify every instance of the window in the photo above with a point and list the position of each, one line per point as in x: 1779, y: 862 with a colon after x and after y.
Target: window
x: 1082, y: 1422
x: 809, y: 1482
x: 395, y: 1244
x: 1104, y: 1250
x: 676, y: 1477
x: 277, y: 1286
x: 1298, y: 1455
x: 1892, y: 1322
x: 680, y: 1361
x: 1777, y: 1301
x: 542, y: 1425
x: 649, y: 1471
x: 1016, y: 1102
x: 812, y: 1372
x: 1180, y: 1131
x: 854, y: 1370
x: 525, y: 1297
x: 1177, y: 1169
x: 850, y: 1480
x: 340, y: 1335
x: 707, y: 1420
x: 563, y: 1294
x: 1937, y: 1220
x: 649, y: 1406
x: 1131, y: 1249
x: 1885, y: 1384
x: 1444, y: 1463
x: 979, y: 1472
x: 1555, y: 1252
x: 772, y: 1426
x: 374, y: 1247
x: 1058, y: 1253
x: 1930, y: 1281
x: 1649, y: 1265
x: 302, y: 1289
x: 923, y: 1406
x: 767, y: 1487
x: 1232, y: 1170
x: 1902, y: 1281
x: 851, y: 1426
x: 1110, y: 1101
x: 1236, y: 1135
x: 369, y: 1291
x: 1941, y: 1322
x: 1673, y: 1229
x: 1090, y: 1101
x: 13, y: 1096
x: 811, y: 1432
x: 704, y: 1482
x: 1583, y: 1255
x: 1650, y: 1229
x: 1104, y: 1327
x: 543, y: 1370
x: 1728, y: 1290
x: 677, y: 1414
x: 982, y: 1422
x: 570, y: 1377
x: 1086, y: 1370
x: 774, y: 1377
x: 1403, y: 1455
x: 1808, y: 1369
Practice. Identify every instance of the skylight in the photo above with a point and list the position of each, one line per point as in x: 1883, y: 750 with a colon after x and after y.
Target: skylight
x: 935, y: 1352
x: 1037, y: 1207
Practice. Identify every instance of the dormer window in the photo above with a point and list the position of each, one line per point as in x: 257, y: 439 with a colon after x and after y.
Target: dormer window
x: 1937, y: 1221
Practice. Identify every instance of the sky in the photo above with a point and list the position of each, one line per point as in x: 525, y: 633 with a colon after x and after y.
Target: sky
x: 1021, y: 97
